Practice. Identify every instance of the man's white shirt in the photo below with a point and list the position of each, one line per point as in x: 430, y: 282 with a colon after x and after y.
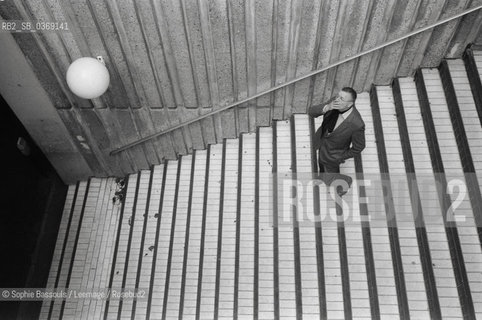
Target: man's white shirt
x: 341, y: 116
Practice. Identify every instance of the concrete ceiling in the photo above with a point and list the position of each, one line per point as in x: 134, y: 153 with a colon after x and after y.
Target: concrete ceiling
x: 173, y: 60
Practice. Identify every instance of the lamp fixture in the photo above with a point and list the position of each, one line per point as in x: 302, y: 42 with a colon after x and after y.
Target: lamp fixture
x: 88, y: 78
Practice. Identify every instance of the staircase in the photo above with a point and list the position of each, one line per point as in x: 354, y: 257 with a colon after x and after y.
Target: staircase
x: 241, y: 230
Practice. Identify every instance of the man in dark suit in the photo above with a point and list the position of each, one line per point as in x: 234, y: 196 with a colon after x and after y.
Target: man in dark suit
x: 341, y: 135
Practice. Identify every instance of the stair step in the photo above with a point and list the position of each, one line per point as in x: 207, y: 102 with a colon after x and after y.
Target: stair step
x: 56, y: 308
x: 227, y: 266
x: 286, y: 257
x: 410, y: 252
x: 100, y: 257
x: 59, y: 253
x: 301, y: 137
x: 244, y: 229
x: 265, y: 231
x: 189, y: 287
x: 464, y: 213
x: 473, y: 66
x: 148, y: 249
x: 121, y: 244
x: 160, y: 272
x: 437, y: 242
x: 379, y: 235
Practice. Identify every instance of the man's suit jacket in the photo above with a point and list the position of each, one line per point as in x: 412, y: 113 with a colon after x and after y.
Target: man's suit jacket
x: 335, y: 146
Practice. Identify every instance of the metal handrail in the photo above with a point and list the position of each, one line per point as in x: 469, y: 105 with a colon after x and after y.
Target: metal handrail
x: 315, y: 72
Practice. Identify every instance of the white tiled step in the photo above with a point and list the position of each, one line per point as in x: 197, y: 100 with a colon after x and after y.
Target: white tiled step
x: 478, y: 61
x: 434, y: 225
x: 387, y: 295
x: 73, y: 308
x: 57, y: 255
x: 124, y: 230
x: 137, y: 222
x: 179, y: 238
x: 193, y: 247
x: 266, y: 263
x: 331, y: 252
x: 67, y: 259
x: 111, y: 237
x: 161, y: 264
x: 87, y: 239
x: 286, y: 257
x: 469, y: 115
x: 149, y: 238
x: 100, y: 257
x: 411, y: 263
x: 228, y: 245
x: 306, y: 221
x: 360, y: 301
x: 246, y: 236
x: 466, y: 226
x: 211, y: 232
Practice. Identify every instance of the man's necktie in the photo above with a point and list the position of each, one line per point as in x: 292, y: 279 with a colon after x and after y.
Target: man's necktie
x: 329, y: 120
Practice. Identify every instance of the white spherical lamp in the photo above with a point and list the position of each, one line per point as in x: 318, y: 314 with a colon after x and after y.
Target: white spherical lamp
x: 88, y: 78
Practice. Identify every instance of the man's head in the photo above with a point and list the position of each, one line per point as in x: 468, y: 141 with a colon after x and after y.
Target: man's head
x: 346, y: 98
